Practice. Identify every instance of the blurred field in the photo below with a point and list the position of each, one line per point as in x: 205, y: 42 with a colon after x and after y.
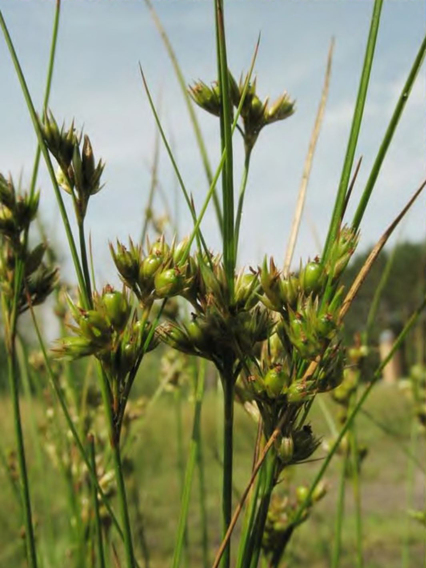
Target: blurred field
x: 156, y: 479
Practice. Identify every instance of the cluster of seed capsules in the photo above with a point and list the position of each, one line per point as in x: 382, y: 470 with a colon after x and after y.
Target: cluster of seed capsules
x: 78, y: 174
x: 16, y: 214
x: 280, y: 521
x: 264, y: 325
x: 110, y: 332
x: 255, y: 113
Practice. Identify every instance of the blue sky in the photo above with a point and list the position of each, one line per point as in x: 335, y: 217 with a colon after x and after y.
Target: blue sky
x: 97, y: 81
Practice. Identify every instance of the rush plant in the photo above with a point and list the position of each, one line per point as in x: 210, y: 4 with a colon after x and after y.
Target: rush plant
x: 273, y: 336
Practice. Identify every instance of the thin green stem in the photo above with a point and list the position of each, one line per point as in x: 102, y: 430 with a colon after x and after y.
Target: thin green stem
x: 23, y: 474
x: 189, y: 472
x: 400, y: 105
x: 58, y: 391
x: 98, y: 524
x: 249, y: 519
x: 340, y: 511
x: 405, y: 563
x: 203, y: 504
x: 118, y: 469
x: 229, y: 248
x: 192, y: 115
x: 354, y: 449
x: 241, y: 198
x: 339, y: 205
x: 262, y: 513
x: 222, y: 159
x: 228, y: 440
x: 199, y: 394
x: 45, y: 551
x: 173, y: 161
x: 153, y: 186
x: 49, y: 77
x: 44, y: 150
x: 180, y: 464
x: 84, y: 262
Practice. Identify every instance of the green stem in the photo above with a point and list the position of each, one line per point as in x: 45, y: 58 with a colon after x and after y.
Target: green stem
x: 45, y: 153
x: 23, y: 475
x: 355, y: 128
x: 118, y: 468
x: 45, y: 551
x: 249, y: 518
x: 241, y: 198
x: 262, y: 513
x: 354, y: 449
x: 58, y: 391
x: 180, y: 463
x: 189, y: 472
x: 228, y: 436
x: 50, y: 68
x: 84, y: 261
x: 340, y: 511
x: 192, y: 115
x: 98, y: 525
x: 229, y: 248
x: 200, y: 468
x: 410, y: 495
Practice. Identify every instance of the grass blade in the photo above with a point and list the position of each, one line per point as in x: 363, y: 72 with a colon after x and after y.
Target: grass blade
x: 400, y: 105
x: 355, y: 128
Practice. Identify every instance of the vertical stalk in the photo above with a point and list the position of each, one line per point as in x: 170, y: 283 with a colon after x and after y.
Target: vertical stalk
x: 248, y: 523
x: 23, y: 475
x: 262, y: 513
x: 339, y: 515
x: 229, y: 248
x: 84, y: 260
x: 356, y: 490
x: 180, y: 460
x: 241, y: 197
x: 410, y: 493
x: 98, y: 525
x: 228, y: 407
x: 356, y: 126
x: 189, y: 472
x: 200, y: 466
x: 116, y: 454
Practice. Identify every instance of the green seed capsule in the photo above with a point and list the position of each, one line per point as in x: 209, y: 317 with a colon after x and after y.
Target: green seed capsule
x: 127, y: 358
x: 117, y: 309
x: 168, y: 283
x: 289, y: 290
x: 275, y: 380
x: 95, y: 327
x: 311, y: 278
x: 179, y: 250
x: 149, y: 266
x: 302, y: 493
x: 286, y: 450
x: 159, y: 248
x: 196, y: 334
x: 326, y: 326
